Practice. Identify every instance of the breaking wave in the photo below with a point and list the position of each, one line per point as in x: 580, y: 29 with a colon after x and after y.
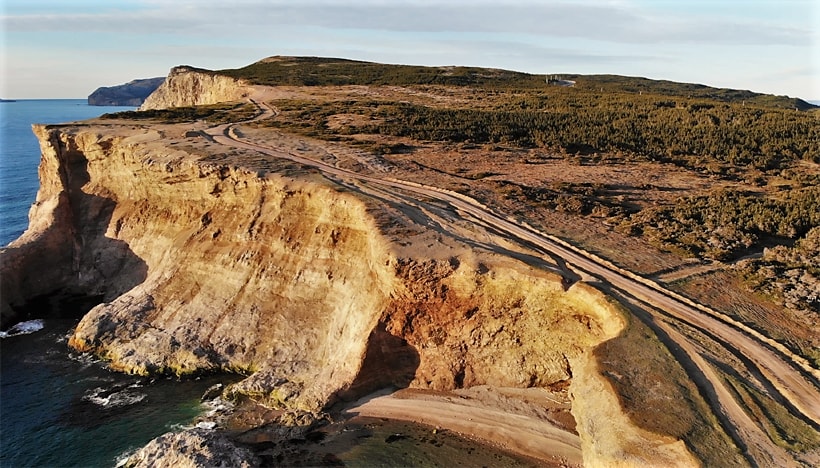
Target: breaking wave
x: 113, y: 397
x: 23, y: 328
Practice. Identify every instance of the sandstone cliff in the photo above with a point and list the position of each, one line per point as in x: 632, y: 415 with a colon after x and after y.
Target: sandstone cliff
x: 188, y: 86
x: 208, y: 267
x: 212, y: 261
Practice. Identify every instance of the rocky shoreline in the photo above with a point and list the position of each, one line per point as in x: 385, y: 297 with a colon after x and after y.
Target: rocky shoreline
x: 132, y: 93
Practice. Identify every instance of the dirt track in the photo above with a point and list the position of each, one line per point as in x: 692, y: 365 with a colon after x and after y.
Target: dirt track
x: 783, y: 374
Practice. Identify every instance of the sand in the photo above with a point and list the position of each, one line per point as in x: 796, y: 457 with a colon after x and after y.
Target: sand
x: 529, y: 422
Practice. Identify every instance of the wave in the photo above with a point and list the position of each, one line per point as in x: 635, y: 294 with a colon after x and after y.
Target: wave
x: 121, y: 459
x: 178, y: 427
x: 217, y: 407
x: 113, y: 397
x: 85, y: 359
x: 23, y: 328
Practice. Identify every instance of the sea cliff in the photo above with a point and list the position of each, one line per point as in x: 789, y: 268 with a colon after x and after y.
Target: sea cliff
x: 207, y: 258
x: 217, y: 267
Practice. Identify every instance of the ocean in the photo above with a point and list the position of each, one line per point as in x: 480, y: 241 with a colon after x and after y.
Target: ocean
x: 59, y: 408
x: 20, y: 153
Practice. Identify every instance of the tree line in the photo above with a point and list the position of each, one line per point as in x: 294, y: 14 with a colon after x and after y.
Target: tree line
x: 698, y: 135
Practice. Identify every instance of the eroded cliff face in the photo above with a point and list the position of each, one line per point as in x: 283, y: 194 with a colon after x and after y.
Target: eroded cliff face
x: 65, y: 248
x: 227, y: 269
x: 279, y: 273
x: 186, y: 86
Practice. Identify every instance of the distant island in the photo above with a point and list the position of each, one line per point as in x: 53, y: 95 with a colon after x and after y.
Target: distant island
x: 132, y: 93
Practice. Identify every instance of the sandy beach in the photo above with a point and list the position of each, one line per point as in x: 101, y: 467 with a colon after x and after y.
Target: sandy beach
x: 531, y: 422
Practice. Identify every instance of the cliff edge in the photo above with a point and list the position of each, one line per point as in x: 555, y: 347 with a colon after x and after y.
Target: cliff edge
x: 263, y: 268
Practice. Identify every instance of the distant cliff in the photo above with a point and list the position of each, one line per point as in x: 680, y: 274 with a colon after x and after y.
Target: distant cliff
x: 132, y: 93
x: 189, y: 86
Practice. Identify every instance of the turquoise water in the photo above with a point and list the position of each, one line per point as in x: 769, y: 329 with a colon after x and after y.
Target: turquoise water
x: 58, y: 408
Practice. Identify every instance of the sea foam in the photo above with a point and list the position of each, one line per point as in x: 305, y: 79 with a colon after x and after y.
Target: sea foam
x: 113, y: 397
x: 23, y: 328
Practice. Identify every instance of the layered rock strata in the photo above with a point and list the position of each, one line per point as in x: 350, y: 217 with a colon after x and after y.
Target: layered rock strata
x: 188, y: 86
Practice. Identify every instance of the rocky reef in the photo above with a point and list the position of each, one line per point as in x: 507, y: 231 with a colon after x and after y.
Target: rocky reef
x: 132, y: 93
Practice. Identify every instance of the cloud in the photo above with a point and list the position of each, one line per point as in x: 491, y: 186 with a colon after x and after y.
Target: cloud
x: 699, y: 40
x: 613, y: 22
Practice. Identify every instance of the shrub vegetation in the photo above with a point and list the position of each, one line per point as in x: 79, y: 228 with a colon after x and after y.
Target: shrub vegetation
x: 215, y: 113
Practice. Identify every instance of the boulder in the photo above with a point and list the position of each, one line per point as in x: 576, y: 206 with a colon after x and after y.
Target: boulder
x: 192, y: 448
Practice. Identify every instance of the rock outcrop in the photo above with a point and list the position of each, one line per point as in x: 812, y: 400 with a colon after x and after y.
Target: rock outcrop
x: 192, y: 448
x: 189, y: 86
x: 132, y: 93
x: 608, y: 437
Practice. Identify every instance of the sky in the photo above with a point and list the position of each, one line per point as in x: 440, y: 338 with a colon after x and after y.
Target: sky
x: 66, y: 49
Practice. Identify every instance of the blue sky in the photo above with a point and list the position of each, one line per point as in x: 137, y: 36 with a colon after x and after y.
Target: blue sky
x: 66, y: 49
